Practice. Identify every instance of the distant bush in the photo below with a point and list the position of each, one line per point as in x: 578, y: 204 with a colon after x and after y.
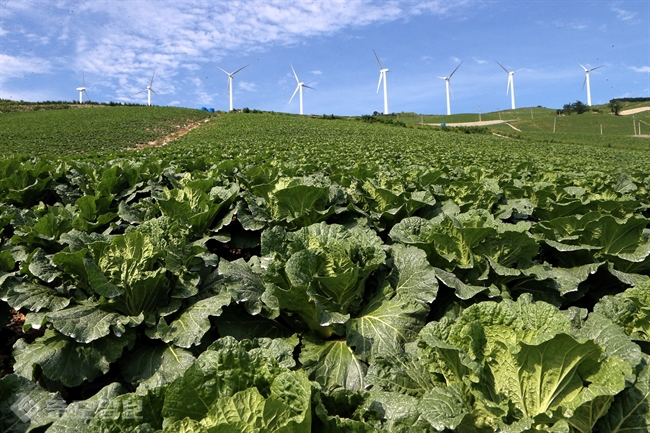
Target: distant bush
x: 378, y: 118
x: 467, y: 129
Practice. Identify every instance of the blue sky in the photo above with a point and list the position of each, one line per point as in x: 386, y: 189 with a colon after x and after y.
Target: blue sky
x: 46, y: 46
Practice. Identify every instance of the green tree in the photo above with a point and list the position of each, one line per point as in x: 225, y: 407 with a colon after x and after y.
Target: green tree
x: 615, y: 105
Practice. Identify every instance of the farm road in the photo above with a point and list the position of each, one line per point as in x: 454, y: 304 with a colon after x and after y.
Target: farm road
x: 481, y: 123
x: 633, y: 111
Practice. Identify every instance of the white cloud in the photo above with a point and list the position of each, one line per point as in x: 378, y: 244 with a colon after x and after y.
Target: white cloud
x: 247, y: 86
x: 622, y: 14
x: 316, y: 72
x: 571, y: 25
x: 480, y: 61
x: 14, y: 67
x: 137, y: 36
x: 643, y: 69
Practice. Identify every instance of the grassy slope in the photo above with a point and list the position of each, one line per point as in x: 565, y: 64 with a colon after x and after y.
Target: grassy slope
x: 282, y: 140
x: 87, y: 130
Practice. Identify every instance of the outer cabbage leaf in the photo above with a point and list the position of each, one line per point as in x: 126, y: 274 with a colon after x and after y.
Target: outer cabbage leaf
x: 79, y: 413
x: 226, y: 368
x: 134, y: 412
x: 630, y: 310
x: 25, y: 406
x: 156, y: 364
x: 630, y: 410
x: 286, y: 410
x: 63, y: 359
x: 332, y: 364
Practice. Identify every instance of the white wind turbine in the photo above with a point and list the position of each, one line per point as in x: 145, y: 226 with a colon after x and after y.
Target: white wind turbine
x: 230, y: 75
x: 82, y: 89
x: 382, y: 76
x: 149, y: 89
x: 587, y: 82
x: 298, y: 87
x: 448, y: 85
x: 511, y: 83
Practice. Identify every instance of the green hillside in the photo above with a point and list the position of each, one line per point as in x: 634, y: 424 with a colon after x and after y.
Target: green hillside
x: 281, y: 273
x: 62, y: 129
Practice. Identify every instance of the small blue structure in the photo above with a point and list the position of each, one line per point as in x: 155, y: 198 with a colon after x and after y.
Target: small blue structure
x: 443, y: 124
x: 204, y: 109
x: 211, y: 110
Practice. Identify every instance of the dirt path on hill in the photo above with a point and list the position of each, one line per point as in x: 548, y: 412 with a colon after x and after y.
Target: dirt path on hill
x: 633, y: 111
x: 170, y: 137
x: 481, y: 123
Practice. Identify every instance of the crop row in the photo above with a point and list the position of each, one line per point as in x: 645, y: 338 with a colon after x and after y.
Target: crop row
x: 414, y: 283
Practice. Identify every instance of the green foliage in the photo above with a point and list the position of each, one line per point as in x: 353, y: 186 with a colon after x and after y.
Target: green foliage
x: 89, y: 130
x: 281, y: 273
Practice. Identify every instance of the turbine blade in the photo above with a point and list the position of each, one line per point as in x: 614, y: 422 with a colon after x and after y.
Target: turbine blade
x: 451, y: 91
x: 381, y: 76
x: 519, y: 70
x: 295, y: 75
x: 583, y: 83
x: 304, y: 85
x: 238, y: 70
x: 593, y: 69
x: 294, y: 93
x: 509, y: 83
x: 224, y: 71
x: 152, y: 75
x: 87, y: 95
x: 507, y: 71
x: 83, y: 79
x: 455, y: 69
x: 583, y: 67
x: 137, y: 93
x: 377, y: 57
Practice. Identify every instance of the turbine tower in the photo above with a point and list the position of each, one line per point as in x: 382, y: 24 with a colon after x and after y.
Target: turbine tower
x: 382, y: 76
x: 149, y: 89
x: 448, y: 85
x: 230, y: 75
x: 82, y: 89
x: 587, y: 82
x: 298, y: 87
x: 511, y: 83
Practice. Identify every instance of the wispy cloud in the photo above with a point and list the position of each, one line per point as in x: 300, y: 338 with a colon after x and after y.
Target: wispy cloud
x: 316, y: 72
x: 138, y: 36
x: 643, y: 69
x: 18, y: 66
x: 247, y: 86
x: 622, y: 14
x: 572, y: 25
x: 480, y: 61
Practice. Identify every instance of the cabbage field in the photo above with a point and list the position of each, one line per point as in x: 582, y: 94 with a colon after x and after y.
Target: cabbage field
x: 275, y: 273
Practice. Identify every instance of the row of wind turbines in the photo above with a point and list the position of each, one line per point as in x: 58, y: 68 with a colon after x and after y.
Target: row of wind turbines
x: 382, y: 78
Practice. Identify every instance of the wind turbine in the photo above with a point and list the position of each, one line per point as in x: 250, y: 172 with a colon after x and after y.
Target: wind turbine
x: 587, y: 82
x: 511, y: 83
x: 298, y: 87
x: 448, y: 83
x: 82, y: 89
x: 382, y: 76
x: 230, y: 75
x: 149, y: 89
